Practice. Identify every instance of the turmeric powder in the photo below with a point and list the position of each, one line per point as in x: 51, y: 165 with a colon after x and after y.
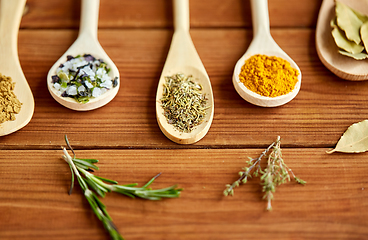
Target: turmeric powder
x: 9, y: 104
x: 268, y: 76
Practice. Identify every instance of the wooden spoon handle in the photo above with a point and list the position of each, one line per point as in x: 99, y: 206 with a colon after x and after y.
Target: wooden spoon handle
x: 10, y: 15
x: 260, y: 17
x: 89, y: 18
x: 181, y: 14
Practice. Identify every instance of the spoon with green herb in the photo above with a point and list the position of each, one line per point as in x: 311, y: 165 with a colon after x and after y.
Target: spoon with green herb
x: 329, y: 53
x: 84, y: 78
x: 263, y: 44
x: 10, y: 17
x: 184, y: 98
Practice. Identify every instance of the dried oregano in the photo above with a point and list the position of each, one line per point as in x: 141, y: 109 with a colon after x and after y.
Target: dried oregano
x: 275, y: 174
x: 183, y: 102
x: 9, y: 103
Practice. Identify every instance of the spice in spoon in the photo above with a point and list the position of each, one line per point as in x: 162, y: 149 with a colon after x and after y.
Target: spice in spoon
x: 183, y: 102
x: 268, y: 76
x: 9, y: 103
x: 83, y: 77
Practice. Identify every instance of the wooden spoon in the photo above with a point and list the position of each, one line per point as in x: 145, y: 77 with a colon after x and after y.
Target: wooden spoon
x: 342, y: 66
x: 86, y: 43
x: 263, y: 43
x: 10, y: 17
x: 183, y: 58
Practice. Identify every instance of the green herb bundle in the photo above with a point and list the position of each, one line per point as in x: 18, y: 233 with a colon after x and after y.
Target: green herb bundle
x: 275, y: 174
x: 95, y: 186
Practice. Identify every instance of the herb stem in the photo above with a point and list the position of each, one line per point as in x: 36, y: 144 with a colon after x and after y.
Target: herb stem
x: 275, y: 174
x: 94, y: 185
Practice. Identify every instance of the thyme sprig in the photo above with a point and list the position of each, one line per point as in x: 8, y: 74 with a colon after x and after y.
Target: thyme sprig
x: 94, y: 186
x: 275, y: 174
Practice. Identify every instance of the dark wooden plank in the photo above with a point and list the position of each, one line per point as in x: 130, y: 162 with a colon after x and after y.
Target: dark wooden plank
x: 158, y: 13
x: 35, y: 205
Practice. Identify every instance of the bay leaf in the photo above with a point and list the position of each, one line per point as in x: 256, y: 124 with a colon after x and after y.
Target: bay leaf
x: 361, y: 16
x: 333, y: 23
x: 364, y: 35
x: 357, y: 56
x: 343, y: 43
x: 348, y: 21
x: 354, y: 140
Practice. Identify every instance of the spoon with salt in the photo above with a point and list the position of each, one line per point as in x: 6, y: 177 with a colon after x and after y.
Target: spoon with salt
x: 342, y: 66
x: 183, y: 58
x: 264, y: 44
x: 10, y: 16
x: 86, y: 43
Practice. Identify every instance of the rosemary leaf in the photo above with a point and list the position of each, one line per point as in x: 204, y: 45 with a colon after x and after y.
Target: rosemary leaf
x: 107, y: 180
x: 72, y: 183
x: 87, y: 160
x: 87, y: 164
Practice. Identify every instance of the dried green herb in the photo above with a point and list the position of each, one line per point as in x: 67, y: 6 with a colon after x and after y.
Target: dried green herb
x: 350, y: 31
x: 354, y: 140
x: 183, y: 102
x: 356, y: 56
x: 94, y: 186
x: 348, y: 21
x: 345, y: 44
x: 275, y: 174
x: 364, y: 34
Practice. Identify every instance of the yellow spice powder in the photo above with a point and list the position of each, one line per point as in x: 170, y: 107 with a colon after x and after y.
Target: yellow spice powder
x: 9, y: 104
x: 268, y: 76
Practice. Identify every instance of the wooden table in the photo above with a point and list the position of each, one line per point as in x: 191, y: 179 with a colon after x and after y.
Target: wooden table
x: 125, y: 137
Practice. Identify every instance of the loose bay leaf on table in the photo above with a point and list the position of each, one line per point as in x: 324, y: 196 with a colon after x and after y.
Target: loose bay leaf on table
x: 354, y: 140
x: 348, y: 21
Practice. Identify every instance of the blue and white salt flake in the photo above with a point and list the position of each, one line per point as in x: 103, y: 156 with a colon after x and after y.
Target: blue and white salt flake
x: 83, y: 77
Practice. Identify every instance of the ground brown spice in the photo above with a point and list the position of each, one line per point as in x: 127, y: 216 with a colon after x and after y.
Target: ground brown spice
x: 9, y: 103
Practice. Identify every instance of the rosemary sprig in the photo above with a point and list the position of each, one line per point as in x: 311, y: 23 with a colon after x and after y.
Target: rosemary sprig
x: 94, y: 186
x: 275, y: 174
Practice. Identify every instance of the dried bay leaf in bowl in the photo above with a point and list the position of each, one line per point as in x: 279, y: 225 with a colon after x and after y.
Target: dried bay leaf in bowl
x: 350, y: 31
x: 344, y: 43
x: 357, y: 56
x: 364, y: 35
x: 349, y: 22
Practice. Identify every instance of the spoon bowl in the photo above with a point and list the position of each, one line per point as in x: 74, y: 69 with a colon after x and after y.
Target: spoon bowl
x: 86, y: 43
x: 10, y: 17
x: 264, y: 44
x: 183, y: 58
x: 342, y: 66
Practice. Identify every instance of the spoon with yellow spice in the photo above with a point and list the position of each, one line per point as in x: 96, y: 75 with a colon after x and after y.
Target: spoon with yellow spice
x: 265, y: 75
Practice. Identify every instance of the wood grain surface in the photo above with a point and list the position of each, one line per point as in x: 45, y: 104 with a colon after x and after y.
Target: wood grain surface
x: 125, y: 137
